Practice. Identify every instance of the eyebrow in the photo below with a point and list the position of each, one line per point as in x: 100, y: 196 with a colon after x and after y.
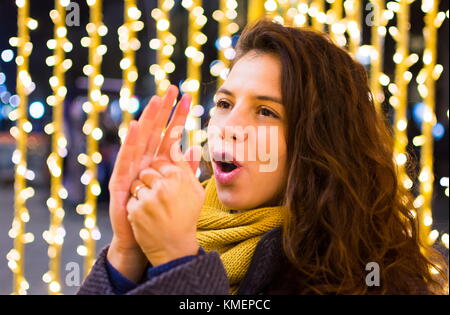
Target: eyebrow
x: 259, y: 97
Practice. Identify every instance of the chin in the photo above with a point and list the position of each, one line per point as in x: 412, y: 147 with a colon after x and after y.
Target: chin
x: 231, y: 199
x: 227, y: 197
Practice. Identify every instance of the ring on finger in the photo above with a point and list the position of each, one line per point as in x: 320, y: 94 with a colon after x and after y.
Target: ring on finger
x: 136, y: 190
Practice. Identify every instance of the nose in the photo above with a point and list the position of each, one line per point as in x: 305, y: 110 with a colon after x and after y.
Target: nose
x: 233, y: 135
x: 235, y: 127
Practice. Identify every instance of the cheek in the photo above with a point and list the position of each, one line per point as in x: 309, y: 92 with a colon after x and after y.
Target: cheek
x: 275, y: 168
x: 271, y: 145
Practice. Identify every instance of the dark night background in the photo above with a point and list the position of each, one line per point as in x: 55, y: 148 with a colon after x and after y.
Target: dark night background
x: 39, y: 142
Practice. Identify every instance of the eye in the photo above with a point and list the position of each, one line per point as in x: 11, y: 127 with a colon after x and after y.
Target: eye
x: 223, y: 104
x: 267, y: 112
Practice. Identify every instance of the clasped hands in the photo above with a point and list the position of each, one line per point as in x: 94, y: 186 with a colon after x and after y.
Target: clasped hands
x: 155, y: 196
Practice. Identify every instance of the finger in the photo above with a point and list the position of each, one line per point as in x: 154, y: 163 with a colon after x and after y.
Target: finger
x: 125, y: 156
x: 143, y: 192
x: 178, y: 158
x: 146, y: 122
x: 135, y: 186
x: 161, y: 120
x: 176, y: 125
x: 139, y: 190
x: 132, y: 207
x: 148, y: 176
x: 163, y: 166
x: 193, y: 157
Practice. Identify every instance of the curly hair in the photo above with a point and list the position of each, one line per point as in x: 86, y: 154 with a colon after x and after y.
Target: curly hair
x: 345, y: 204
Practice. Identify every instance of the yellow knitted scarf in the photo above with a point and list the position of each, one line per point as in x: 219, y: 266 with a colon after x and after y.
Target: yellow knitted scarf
x: 233, y: 234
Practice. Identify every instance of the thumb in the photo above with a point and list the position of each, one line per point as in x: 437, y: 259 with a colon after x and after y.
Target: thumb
x: 193, y: 156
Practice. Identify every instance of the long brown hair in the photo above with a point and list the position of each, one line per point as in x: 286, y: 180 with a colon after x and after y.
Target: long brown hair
x: 345, y: 204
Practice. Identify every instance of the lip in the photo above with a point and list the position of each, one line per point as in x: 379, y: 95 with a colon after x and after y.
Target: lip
x: 225, y: 178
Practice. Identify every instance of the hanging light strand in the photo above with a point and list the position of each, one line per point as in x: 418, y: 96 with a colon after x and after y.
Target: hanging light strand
x: 255, y: 10
x: 225, y: 16
x: 129, y: 44
x: 54, y: 236
x: 378, y: 32
x: 353, y: 27
x: 288, y: 12
x: 399, y: 100
x: 300, y: 14
x: 426, y: 80
x: 16, y: 256
x: 272, y: 11
x: 96, y: 103
x: 316, y: 12
x: 163, y: 44
x: 195, y: 59
x: 336, y: 22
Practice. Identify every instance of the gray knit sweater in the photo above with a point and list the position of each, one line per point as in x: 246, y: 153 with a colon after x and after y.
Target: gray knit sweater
x: 200, y: 276
x: 206, y: 275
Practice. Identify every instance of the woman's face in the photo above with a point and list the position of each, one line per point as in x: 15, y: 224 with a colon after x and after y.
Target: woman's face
x: 247, y: 129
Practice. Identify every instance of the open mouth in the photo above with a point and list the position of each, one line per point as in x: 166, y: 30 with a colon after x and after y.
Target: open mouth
x: 226, y: 167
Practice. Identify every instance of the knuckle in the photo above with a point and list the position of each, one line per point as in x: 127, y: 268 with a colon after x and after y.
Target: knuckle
x: 158, y: 163
x: 172, y: 171
x: 147, y: 200
x: 142, y: 174
x: 145, y: 173
x: 134, y: 184
x: 161, y: 191
x: 131, y: 214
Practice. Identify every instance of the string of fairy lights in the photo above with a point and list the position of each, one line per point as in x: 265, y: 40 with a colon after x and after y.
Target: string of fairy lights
x: 278, y: 11
x: 163, y: 44
x: 16, y: 256
x: 129, y: 44
x: 399, y: 89
x: 255, y: 10
x: 426, y: 80
x: 285, y: 5
x: 195, y: 59
x: 294, y: 15
x: 54, y: 236
x: 96, y: 103
x: 343, y: 19
x: 337, y: 25
x: 353, y: 20
x: 317, y: 13
x: 378, y: 32
x: 225, y: 16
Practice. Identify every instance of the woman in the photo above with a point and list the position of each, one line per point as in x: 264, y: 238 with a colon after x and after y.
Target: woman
x: 306, y: 218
